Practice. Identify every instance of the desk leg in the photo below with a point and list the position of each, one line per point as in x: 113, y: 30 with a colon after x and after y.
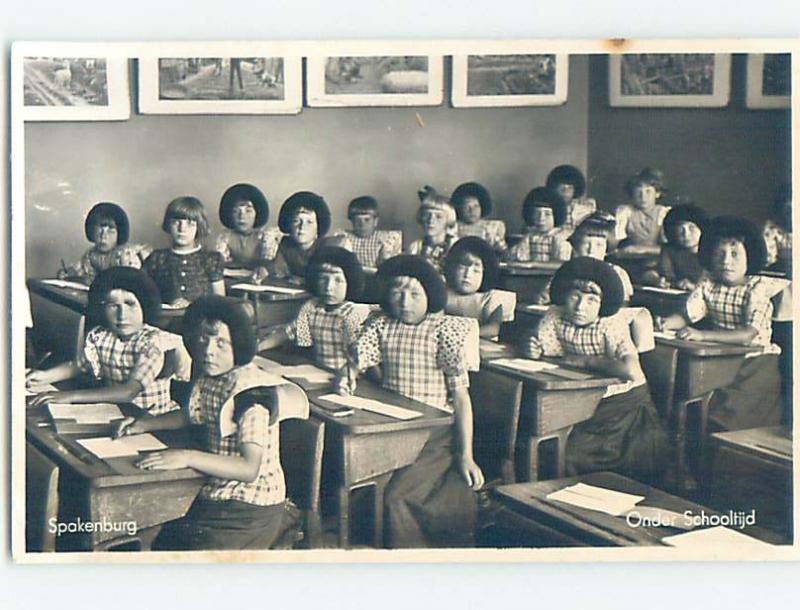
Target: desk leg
x: 533, y: 446
x: 380, y: 490
x: 344, y: 516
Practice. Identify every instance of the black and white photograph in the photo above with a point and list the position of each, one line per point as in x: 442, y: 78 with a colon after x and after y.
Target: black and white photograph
x: 769, y: 80
x: 669, y: 79
x: 374, y: 80
x: 557, y: 331
x: 510, y: 80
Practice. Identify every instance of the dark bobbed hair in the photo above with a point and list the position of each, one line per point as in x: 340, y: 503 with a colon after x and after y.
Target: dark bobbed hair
x: 471, y: 189
x: 597, y: 224
x: 231, y: 312
x: 122, y: 278
x: 239, y: 193
x: 733, y: 227
x: 309, y: 201
x: 187, y: 207
x: 542, y: 197
x: 418, y: 268
x: 337, y: 257
x: 648, y: 175
x: 365, y: 203
x: 683, y: 213
x: 567, y: 174
x: 105, y: 210
x: 593, y: 270
x: 477, y: 247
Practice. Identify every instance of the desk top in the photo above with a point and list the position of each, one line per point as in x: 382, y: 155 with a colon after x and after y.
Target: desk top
x: 266, y: 295
x: 561, y: 378
x: 635, y: 253
x: 705, y: 348
x: 530, y: 499
x: 773, y: 443
x: 111, y: 472
x: 364, y: 422
x: 530, y: 268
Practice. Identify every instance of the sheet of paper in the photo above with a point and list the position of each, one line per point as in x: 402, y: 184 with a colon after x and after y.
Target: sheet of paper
x: 373, y: 406
x: 524, y: 364
x: 608, y: 501
x: 536, y: 308
x: 711, y: 537
x: 106, y: 447
x: 67, y: 284
x: 267, y: 288
x: 237, y: 273
x: 309, y: 372
x: 663, y: 290
x: 94, y: 413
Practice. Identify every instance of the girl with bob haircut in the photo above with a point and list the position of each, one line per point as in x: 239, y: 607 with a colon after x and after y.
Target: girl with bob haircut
x: 246, y: 243
x: 569, y: 185
x: 678, y: 263
x: 423, y: 355
x: 185, y: 271
x: 778, y: 231
x: 473, y: 206
x: 736, y: 303
x: 639, y: 223
x: 122, y: 350
x: 624, y: 435
x: 437, y: 217
x: 108, y: 229
x: 471, y: 272
x: 545, y: 239
x: 242, y: 503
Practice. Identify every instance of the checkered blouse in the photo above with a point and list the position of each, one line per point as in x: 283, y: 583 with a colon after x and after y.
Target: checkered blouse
x: 434, y: 254
x: 373, y: 250
x: 208, y: 396
x: 187, y: 276
x: 248, y: 250
x: 732, y: 307
x: 330, y: 333
x: 424, y: 362
x: 490, y: 230
x: 577, y: 210
x: 542, y: 247
x: 93, y: 262
x: 138, y: 358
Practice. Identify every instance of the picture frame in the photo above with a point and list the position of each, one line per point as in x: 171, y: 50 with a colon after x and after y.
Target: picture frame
x: 511, y: 80
x: 257, y: 80
x: 769, y: 79
x: 72, y: 83
x: 669, y: 80
x: 360, y: 79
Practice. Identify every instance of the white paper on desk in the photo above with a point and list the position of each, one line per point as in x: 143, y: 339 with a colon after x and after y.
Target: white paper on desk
x: 663, y: 290
x: 373, y: 406
x: 237, y: 273
x: 665, y: 334
x: 608, y: 501
x: 526, y: 365
x: 711, y: 537
x: 267, y: 288
x: 308, y: 372
x: 106, y: 447
x: 89, y: 413
x: 67, y: 284
x: 536, y: 308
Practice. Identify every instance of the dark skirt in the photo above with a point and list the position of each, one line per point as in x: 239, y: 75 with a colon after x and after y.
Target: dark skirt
x: 752, y: 400
x: 227, y: 525
x: 624, y: 436
x: 429, y: 504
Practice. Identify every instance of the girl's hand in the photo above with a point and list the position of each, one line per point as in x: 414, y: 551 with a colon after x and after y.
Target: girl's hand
x: 471, y: 472
x: 344, y: 383
x: 663, y: 282
x: 690, y: 334
x: 128, y: 426
x: 686, y: 284
x: 37, y: 377
x: 260, y: 274
x: 169, y: 459
x: 45, y: 398
x: 62, y: 274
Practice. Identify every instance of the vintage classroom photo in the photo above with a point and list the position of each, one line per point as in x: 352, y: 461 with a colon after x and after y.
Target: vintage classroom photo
x: 461, y: 301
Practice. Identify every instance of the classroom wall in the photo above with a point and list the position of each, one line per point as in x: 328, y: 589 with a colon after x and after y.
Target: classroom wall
x: 729, y: 159
x: 340, y: 153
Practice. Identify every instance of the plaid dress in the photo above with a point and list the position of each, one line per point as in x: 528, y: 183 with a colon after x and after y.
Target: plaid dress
x: 624, y: 435
x: 248, y: 251
x: 208, y: 396
x: 424, y: 362
x: 373, y: 250
x: 542, y: 247
x: 491, y: 231
x: 434, y: 254
x: 137, y: 358
x: 577, y: 210
x: 93, y: 262
x: 187, y: 276
x: 330, y: 333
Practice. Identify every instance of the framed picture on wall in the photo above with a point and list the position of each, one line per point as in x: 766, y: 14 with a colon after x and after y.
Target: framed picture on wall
x: 769, y: 80
x: 205, y: 84
x: 669, y: 79
x: 75, y: 88
x: 509, y: 80
x: 374, y: 80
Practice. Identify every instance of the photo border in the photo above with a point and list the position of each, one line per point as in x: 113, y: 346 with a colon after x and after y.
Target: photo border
x: 719, y: 98
x: 461, y: 99
x: 755, y: 99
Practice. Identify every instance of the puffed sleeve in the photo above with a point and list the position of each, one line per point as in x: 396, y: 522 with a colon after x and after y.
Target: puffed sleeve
x: 662, y: 214
x: 627, y: 286
x: 149, y: 359
x: 521, y: 251
x: 268, y: 242
x: 195, y: 407
x: 221, y: 246
x: 367, y: 348
x: 561, y: 249
x: 415, y: 247
x: 353, y: 321
x: 214, y: 266
x: 696, y: 306
x: 758, y: 306
x: 392, y: 244
x: 617, y: 337
x: 299, y: 330
x: 504, y: 300
x: 125, y: 256
x: 253, y: 426
x: 452, y: 346
x: 88, y: 359
x: 547, y: 333
x: 623, y: 214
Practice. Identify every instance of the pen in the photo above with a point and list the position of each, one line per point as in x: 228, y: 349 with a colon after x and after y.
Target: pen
x: 64, y: 267
x: 41, y: 360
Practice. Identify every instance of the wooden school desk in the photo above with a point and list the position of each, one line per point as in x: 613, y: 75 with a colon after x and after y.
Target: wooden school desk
x: 364, y: 449
x: 527, y: 279
x: 527, y: 516
x: 59, y: 317
x: 272, y: 307
x: 635, y: 260
x: 660, y: 301
x: 114, y: 489
x: 552, y: 402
